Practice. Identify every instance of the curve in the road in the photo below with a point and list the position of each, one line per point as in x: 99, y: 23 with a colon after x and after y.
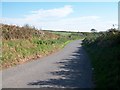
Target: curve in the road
x: 68, y: 68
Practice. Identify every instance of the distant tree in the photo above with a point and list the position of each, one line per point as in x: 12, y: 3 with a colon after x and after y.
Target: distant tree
x: 93, y: 30
x: 116, y: 26
x: 26, y: 26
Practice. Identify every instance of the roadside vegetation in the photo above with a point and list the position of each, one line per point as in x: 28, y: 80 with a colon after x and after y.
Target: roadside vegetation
x: 104, y: 51
x: 22, y: 44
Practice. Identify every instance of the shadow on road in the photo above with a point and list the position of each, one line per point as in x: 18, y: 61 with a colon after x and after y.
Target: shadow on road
x: 74, y: 71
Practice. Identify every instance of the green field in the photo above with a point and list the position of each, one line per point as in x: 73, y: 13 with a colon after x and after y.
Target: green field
x: 61, y: 33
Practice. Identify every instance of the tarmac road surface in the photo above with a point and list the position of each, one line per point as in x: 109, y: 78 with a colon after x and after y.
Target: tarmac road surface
x: 68, y: 68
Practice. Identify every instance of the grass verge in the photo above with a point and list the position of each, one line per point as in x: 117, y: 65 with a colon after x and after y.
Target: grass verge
x: 19, y: 51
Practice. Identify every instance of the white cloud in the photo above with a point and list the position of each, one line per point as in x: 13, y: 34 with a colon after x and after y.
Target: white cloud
x: 69, y: 24
x: 56, y: 19
x: 50, y: 13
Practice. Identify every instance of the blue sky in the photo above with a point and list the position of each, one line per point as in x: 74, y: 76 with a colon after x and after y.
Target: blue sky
x: 70, y: 16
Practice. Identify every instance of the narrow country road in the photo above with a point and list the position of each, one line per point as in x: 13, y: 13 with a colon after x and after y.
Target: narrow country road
x: 68, y: 68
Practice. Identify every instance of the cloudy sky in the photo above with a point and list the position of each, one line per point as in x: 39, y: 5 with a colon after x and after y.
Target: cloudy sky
x: 68, y: 16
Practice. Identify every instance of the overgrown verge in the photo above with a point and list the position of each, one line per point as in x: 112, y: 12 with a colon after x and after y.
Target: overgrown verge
x: 104, y: 52
x: 20, y: 51
x: 22, y: 44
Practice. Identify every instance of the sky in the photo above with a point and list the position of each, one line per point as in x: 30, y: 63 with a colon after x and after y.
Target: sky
x: 61, y: 16
x: 59, y: 0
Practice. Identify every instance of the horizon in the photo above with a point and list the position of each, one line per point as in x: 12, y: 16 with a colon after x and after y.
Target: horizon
x: 62, y: 16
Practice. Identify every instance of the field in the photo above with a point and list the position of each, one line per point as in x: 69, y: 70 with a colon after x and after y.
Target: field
x: 61, y: 32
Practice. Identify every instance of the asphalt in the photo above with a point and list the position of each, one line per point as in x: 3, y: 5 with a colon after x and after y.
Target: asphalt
x: 68, y: 68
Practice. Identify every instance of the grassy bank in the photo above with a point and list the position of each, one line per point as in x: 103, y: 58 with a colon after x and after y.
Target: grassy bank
x: 19, y: 51
x: 22, y: 44
x: 104, y: 52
